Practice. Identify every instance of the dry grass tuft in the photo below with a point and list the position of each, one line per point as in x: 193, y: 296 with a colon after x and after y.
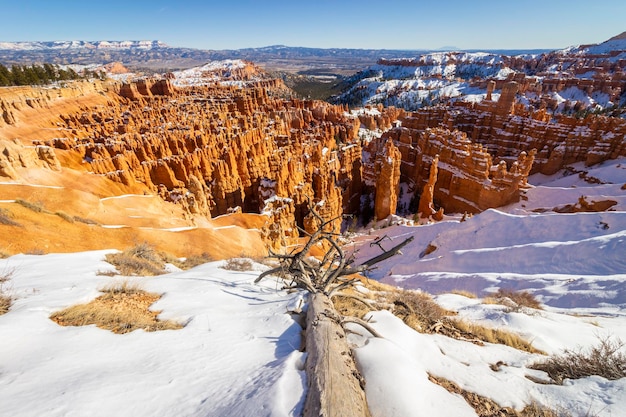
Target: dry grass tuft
x: 607, y: 359
x: 65, y: 216
x: 6, y: 218
x: 121, y: 309
x: 5, y: 288
x: 464, y: 293
x: 486, y: 407
x: 141, y: 260
x: 419, y: 311
x: 189, y: 262
x: 350, y: 303
x: 238, y: 264
x: 513, y: 299
x: 36, y: 207
x: 195, y: 260
x: 492, y: 335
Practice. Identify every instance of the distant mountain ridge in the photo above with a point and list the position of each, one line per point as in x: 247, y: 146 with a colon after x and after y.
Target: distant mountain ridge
x: 159, y: 55
x: 63, y: 45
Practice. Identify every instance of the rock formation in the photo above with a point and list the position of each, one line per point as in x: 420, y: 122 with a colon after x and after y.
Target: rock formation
x: 559, y: 142
x: 426, y: 206
x: 466, y: 180
x: 223, y: 147
x: 14, y: 156
x: 214, y: 148
x: 387, y: 168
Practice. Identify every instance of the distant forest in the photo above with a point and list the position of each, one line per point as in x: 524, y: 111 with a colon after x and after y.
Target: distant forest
x: 41, y: 74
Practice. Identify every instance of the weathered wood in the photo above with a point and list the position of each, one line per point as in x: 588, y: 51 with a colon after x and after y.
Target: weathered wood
x: 334, y: 387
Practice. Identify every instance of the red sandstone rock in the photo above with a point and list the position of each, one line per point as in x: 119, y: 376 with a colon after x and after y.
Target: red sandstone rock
x: 426, y: 207
x: 387, y: 168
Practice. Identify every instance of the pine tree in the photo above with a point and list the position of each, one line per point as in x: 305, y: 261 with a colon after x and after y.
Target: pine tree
x: 41, y: 74
x: 51, y: 71
x: 5, y: 76
x: 17, y: 75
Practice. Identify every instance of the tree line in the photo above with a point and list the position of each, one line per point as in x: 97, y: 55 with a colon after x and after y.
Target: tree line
x: 42, y: 74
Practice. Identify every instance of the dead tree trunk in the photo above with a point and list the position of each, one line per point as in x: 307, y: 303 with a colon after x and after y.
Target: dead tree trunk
x: 334, y: 385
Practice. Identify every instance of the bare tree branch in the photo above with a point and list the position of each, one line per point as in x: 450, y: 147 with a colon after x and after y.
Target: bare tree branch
x: 361, y: 323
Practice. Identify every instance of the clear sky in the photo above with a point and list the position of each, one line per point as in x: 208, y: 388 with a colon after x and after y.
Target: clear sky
x: 388, y: 24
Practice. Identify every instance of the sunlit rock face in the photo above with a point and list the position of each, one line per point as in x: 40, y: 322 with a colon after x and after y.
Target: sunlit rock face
x: 223, y: 147
x: 214, y: 148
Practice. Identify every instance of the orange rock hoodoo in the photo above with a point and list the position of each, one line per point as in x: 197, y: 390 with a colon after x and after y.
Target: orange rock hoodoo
x: 559, y: 141
x: 465, y: 178
x: 216, y: 148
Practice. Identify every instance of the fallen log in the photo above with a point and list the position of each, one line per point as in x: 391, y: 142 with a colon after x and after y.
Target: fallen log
x: 334, y: 384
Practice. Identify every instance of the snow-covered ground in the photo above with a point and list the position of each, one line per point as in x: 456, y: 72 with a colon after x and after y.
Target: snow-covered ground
x: 238, y: 354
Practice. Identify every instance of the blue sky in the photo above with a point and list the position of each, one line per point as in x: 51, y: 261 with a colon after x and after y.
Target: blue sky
x: 390, y: 24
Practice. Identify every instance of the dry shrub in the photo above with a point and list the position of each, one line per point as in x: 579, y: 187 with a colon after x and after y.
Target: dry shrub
x: 36, y: 207
x: 5, y: 302
x: 464, y: 293
x: 5, y: 298
x: 6, y: 218
x: 84, y: 220
x: 141, y: 259
x: 417, y: 309
x: 513, y: 299
x: 351, y: 303
x: 420, y: 312
x: 107, y: 273
x: 493, y: 335
x: 486, y: 407
x: 65, y: 216
x: 195, y: 260
x: 607, y: 359
x: 121, y: 309
x: 238, y: 264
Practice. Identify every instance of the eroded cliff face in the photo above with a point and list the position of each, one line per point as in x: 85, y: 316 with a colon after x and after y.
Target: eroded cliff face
x: 224, y: 148
x: 465, y: 179
x: 215, y: 149
x: 559, y: 141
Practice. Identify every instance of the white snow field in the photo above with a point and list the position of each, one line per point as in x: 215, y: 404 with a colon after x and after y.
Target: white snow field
x: 238, y: 354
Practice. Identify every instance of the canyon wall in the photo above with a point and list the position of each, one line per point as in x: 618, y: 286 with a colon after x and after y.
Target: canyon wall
x: 223, y: 148
x: 506, y: 129
x: 215, y: 149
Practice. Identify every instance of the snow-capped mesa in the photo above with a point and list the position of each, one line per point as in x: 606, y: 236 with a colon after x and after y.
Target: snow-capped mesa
x: 231, y: 71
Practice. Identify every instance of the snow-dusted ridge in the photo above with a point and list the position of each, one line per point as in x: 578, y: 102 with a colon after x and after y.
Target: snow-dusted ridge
x: 77, y: 44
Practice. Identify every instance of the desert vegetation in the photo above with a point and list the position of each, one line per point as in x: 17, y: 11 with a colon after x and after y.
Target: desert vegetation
x: 606, y: 359
x: 121, y: 309
x: 6, y: 299
x: 515, y: 300
x: 6, y: 218
x: 238, y: 264
x: 420, y: 312
x: 141, y: 259
x: 144, y: 260
x: 486, y: 407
